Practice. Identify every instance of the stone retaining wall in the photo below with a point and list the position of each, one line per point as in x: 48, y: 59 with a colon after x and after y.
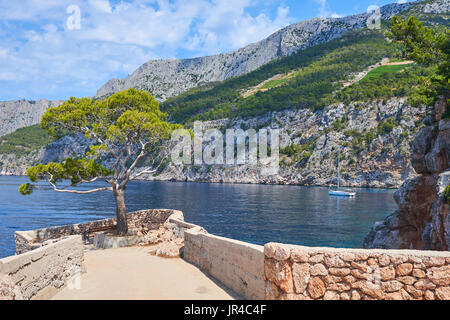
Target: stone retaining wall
x: 139, y: 222
x: 38, y: 274
x: 238, y: 265
x: 305, y: 273
x: 275, y: 271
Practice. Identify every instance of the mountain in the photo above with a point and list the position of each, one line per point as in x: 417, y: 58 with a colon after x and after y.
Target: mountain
x: 342, y: 88
x: 22, y: 113
x: 167, y: 78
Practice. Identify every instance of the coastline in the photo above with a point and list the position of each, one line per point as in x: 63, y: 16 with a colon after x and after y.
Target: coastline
x: 343, y: 184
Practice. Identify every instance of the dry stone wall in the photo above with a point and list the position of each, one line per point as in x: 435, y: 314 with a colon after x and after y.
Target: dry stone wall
x: 304, y: 273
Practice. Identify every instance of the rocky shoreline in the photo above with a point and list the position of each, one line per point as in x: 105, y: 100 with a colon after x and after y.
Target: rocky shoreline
x: 372, y: 156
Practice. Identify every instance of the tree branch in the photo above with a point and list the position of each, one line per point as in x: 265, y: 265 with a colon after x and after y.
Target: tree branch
x: 143, y: 172
x: 77, y: 191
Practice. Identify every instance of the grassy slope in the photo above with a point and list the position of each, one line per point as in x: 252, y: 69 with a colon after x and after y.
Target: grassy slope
x: 378, y: 72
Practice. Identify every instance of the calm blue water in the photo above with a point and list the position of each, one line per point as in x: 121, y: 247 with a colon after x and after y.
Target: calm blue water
x: 254, y: 213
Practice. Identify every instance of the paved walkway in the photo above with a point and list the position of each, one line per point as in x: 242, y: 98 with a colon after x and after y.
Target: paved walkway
x: 132, y: 273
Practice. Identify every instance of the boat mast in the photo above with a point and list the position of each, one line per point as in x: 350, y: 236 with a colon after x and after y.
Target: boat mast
x: 339, y: 169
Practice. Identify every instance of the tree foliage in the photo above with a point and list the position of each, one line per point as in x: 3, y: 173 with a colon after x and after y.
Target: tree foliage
x: 124, y: 128
x: 427, y: 47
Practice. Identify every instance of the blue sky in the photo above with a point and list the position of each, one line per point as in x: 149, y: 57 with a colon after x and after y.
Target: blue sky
x: 46, y: 53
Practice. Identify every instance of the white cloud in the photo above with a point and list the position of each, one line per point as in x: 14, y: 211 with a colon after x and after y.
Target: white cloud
x: 324, y: 11
x: 335, y: 15
x: 41, y: 57
x: 402, y: 1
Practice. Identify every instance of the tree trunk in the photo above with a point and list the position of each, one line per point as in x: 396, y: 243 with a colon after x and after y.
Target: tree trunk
x: 121, y: 212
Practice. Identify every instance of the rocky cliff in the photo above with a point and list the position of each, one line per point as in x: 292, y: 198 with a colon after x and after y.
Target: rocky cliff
x: 422, y: 220
x: 372, y: 156
x: 22, y: 113
x: 68, y: 146
x: 167, y: 78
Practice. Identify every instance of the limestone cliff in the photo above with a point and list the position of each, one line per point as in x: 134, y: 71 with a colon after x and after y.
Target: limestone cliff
x: 68, y: 146
x: 22, y: 113
x: 422, y: 220
x: 370, y: 156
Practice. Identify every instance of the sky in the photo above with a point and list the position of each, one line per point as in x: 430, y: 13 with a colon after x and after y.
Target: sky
x: 56, y: 49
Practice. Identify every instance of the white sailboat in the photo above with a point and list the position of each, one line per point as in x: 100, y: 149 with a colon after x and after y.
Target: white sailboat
x: 338, y: 192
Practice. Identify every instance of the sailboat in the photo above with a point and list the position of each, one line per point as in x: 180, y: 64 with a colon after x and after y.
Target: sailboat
x: 338, y: 192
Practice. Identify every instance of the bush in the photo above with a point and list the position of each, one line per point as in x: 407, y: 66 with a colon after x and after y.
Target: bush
x: 446, y: 195
x: 387, y: 126
x: 299, y: 152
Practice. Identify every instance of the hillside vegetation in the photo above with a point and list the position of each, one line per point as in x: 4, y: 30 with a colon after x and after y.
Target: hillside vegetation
x: 24, y: 140
x: 316, y: 80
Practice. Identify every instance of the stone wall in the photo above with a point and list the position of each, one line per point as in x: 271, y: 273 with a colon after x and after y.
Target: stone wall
x: 38, y: 274
x: 275, y: 271
x: 305, y: 273
x: 238, y: 265
x: 149, y: 223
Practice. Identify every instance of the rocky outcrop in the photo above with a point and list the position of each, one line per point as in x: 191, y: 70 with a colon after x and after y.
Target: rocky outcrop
x: 439, y: 6
x: 167, y: 78
x: 22, y: 113
x: 370, y: 158
x: 422, y: 220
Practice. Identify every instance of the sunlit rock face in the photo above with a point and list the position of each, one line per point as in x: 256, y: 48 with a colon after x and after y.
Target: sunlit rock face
x: 422, y: 220
x: 22, y: 113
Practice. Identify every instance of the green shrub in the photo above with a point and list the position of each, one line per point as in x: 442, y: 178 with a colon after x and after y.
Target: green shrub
x: 446, y: 194
x: 299, y: 152
x: 387, y: 126
x: 340, y: 124
x: 352, y: 133
x: 369, y: 137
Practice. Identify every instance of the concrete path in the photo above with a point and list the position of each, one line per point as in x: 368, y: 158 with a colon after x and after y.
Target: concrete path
x: 132, y: 273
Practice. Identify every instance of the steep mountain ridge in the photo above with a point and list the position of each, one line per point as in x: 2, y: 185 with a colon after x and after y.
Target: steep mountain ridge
x: 167, y: 78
